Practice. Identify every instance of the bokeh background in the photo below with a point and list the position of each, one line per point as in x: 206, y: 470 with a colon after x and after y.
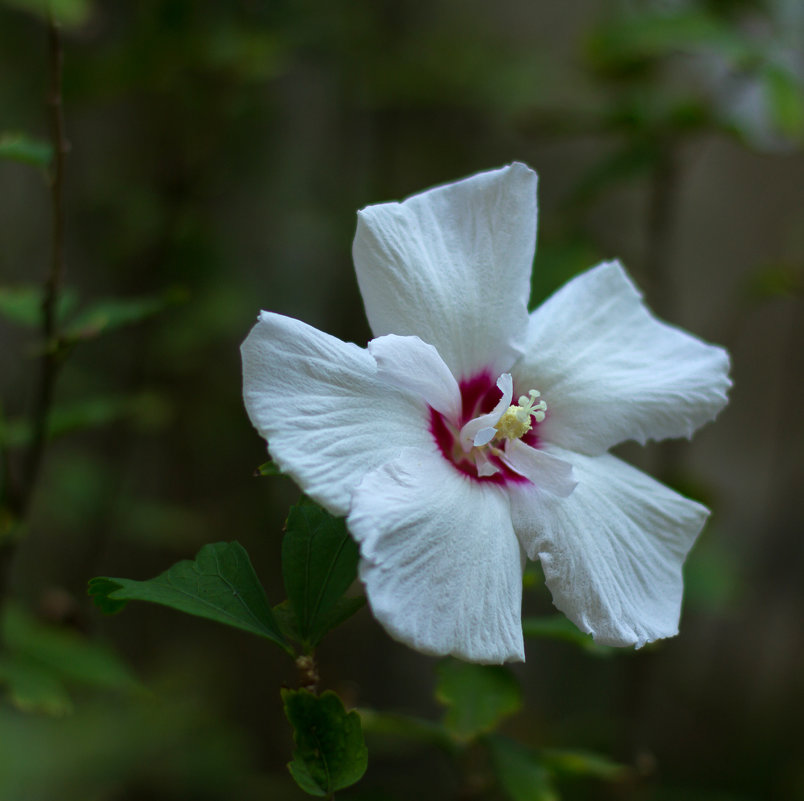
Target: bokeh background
x: 218, y: 153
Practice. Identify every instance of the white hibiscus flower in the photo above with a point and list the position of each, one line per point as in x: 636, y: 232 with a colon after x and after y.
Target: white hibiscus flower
x: 447, y: 482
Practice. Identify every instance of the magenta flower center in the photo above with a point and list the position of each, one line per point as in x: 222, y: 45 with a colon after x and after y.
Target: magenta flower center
x: 479, y: 396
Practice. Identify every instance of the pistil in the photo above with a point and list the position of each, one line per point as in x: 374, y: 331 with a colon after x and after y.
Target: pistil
x: 515, y: 421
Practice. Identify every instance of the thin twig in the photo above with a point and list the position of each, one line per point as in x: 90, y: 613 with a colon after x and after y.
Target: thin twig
x: 51, y: 357
x: 18, y: 495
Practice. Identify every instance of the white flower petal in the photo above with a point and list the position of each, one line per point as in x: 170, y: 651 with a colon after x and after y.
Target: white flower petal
x: 475, y: 431
x: 452, y: 265
x: 546, y: 471
x: 610, y: 371
x: 413, y: 365
x: 612, y: 551
x: 441, y: 563
x: 484, y: 436
x: 485, y: 467
x: 319, y: 403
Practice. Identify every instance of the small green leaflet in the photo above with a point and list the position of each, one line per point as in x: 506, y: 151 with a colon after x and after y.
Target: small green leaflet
x: 319, y: 563
x: 268, y: 468
x: 780, y: 279
x: 558, y: 627
x: 785, y: 98
x: 69, y: 13
x: 65, y: 418
x: 477, y: 697
x: 525, y: 774
x: 32, y: 688
x: 220, y: 584
x: 626, y: 39
x: 576, y: 762
x: 25, y: 149
x: 520, y: 771
x: 330, y: 751
x: 22, y: 304
x: 406, y: 727
x: 113, y: 313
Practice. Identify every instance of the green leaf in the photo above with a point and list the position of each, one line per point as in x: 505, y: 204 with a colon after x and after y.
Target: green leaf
x: 558, y: 627
x: 286, y: 620
x: 23, y: 304
x: 18, y: 147
x: 145, y: 408
x: 571, y: 762
x: 220, y: 584
x: 33, y: 689
x: 110, y: 314
x: 477, y: 697
x: 785, y: 96
x: 330, y: 751
x: 63, y: 653
x: 319, y: 563
x: 268, y: 468
x: 712, y: 581
x: 38, y: 658
x: 775, y: 280
x: 519, y: 771
x: 302, y: 774
x: 100, y: 589
x: 342, y: 610
x: 627, y: 39
x: 406, y: 727
x: 70, y: 13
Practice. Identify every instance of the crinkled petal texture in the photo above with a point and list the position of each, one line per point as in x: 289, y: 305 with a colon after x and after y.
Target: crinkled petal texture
x: 452, y: 266
x: 327, y: 417
x: 612, y: 551
x: 610, y: 371
x: 441, y: 563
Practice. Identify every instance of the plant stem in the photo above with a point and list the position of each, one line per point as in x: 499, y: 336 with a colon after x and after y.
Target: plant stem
x: 51, y: 357
x: 308, y: 673
x: 18, y: 495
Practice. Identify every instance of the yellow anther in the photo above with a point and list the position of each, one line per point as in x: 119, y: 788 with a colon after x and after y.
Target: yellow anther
x: 513, y: 424
x: 515, y: 421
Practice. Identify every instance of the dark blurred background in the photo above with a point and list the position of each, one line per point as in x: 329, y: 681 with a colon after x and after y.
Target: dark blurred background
x: 218, y: 153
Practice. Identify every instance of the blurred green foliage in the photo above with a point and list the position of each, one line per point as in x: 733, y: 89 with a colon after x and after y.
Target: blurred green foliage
x: 477, y: 697
x: 18, y: 147
x: 38, y: 659
x: 71, y: 13
x: 521, y: 774
x: 218, y: 152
